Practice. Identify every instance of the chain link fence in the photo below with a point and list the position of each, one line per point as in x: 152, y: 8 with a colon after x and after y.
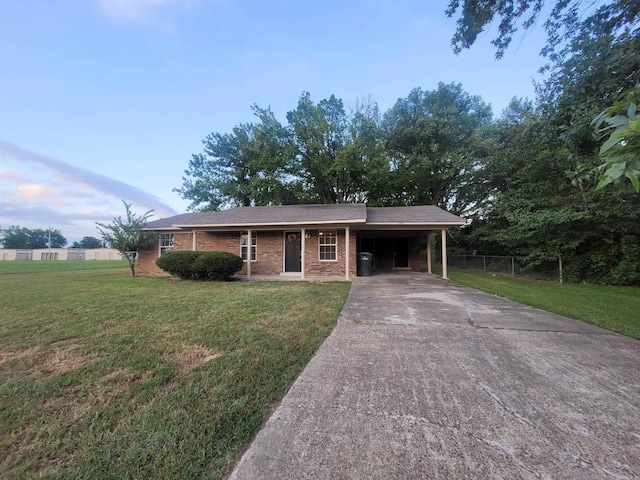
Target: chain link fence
x: 508, y: 265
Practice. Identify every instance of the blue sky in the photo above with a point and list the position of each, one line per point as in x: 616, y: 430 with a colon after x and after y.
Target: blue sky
x: 105, y: 100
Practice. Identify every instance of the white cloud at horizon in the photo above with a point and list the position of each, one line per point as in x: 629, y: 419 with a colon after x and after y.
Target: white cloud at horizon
x: 81, y: 176
x: 64, y: 196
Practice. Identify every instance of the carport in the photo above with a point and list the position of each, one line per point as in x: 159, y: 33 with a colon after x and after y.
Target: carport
x: 395, y: 236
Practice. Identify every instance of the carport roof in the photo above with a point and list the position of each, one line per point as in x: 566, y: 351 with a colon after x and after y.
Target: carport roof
x: 356, y: 214
x: 423, y: 214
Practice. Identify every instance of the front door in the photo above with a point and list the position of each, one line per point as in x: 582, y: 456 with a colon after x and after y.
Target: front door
x: 292, y: 247
x: 400, y: 252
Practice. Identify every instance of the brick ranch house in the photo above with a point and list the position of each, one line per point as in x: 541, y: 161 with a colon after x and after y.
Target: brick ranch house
x: 305, y: 240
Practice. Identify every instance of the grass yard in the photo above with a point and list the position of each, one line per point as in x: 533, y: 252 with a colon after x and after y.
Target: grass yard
x: 107, y: 376
x: 25, y: 266
x: 614, y: 308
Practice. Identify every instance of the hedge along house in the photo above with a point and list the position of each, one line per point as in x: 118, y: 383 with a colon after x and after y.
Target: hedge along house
x: 305, y: 240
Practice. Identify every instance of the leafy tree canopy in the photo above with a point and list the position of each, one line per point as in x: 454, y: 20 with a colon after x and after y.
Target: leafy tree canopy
x: 88, y: 242
x: 435, y: 144
x: 17, y: 237
x: 568, y: 22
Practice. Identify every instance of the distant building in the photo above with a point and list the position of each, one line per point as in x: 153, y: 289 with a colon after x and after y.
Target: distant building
x: 60, y: 254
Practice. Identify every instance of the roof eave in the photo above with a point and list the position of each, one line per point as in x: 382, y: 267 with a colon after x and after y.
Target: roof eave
x: 270, y: 224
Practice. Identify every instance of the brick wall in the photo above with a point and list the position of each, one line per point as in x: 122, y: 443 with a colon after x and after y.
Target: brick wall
x: 270, y: 247
x: 414, y: 253
x: 314, y: 267
x: 147, y: 258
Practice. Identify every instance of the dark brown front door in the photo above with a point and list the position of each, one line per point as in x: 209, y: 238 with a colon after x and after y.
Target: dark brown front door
x: 292, y: 246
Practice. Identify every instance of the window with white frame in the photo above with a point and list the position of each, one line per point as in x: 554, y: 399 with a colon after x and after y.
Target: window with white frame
x: 244, y: 244
x: 327, y: 246
x: 165, y: 243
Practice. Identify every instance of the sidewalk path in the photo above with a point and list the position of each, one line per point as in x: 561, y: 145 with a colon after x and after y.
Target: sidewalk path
x: 423, y: 378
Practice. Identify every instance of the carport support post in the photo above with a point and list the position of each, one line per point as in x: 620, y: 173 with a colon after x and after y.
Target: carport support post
x: 444, y: 254
x: 428, y: 252
x: 249, y: 248
x: 346, y: 252
x: 303, y: 234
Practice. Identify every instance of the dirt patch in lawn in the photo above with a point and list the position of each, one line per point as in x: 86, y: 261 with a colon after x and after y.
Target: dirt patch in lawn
x: 189, y: 357
x: 47, y: 361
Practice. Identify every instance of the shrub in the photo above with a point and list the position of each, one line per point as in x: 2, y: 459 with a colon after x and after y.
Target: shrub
x: 179, y: 263
x: 216, y: 265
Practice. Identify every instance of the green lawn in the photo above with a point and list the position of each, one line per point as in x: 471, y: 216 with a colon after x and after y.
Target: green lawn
x: 107, y: 376
x: 614, y: 308
x: 25, y: 266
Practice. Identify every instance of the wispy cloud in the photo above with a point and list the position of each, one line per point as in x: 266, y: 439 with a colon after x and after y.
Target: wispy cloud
x: 34, y: 190
x: 7, y: 175
x: 81, y: 176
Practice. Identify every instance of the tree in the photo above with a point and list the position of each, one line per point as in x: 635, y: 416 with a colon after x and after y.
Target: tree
x: 17, y: 237
x: 568, y: 21
x: 88, y: 242
x: 434, y: 141
x: 127, y: 235
x: 340, y: 157
x: 593, y: 49
x: 321, y: 156
x: 253, y: 165
x: 220, y: 176
x: 621, y: 151
x: 533, y: 210
x: 319, y: 132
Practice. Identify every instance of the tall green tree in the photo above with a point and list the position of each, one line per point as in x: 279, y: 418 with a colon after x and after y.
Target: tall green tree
x: 566, y: 23
x: 593, y: 55
x: 341, y: 157
x: 319, y: 135
x: 88, y: 242
x: 435, y: 144
x: 16, y: 237
x: 127, y: 235
x: 533, y: 210
x: 253, y: 165
x: 221, y: 175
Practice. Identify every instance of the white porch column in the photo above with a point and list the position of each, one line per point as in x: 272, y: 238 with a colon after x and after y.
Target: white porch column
x: 347, y: 252
x: 444, y: 254
x: 303, y: 234
x: 193, y: 246
x: 249, y: 251
x: 429, y: 252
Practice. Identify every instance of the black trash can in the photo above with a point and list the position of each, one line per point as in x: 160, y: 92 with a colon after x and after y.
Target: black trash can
x: 365, y: 260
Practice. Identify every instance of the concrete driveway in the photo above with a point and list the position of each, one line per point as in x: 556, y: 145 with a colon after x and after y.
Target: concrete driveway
x: 422, y: 378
